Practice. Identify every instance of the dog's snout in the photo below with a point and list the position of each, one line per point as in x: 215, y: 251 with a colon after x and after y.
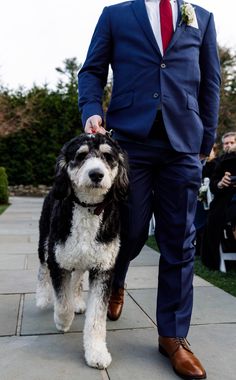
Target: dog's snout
x: 96, y: 175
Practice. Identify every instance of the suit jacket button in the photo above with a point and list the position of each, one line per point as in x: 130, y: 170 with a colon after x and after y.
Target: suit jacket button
x: 163, y: 65
x: 155, y: 95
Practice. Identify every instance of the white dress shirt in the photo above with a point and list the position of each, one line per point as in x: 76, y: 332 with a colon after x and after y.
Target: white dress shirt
x: 153, y: 12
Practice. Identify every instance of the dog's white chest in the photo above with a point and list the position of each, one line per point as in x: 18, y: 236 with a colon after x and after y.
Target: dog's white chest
x: 81, y: 250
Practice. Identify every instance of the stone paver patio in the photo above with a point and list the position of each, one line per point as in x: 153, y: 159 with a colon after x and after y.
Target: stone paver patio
x: 31, y: 348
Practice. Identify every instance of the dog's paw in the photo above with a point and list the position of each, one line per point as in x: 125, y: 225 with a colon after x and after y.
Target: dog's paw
x: 43, y: 298
x: 42, y: 303
x: 100, y: 359
x: 62, y: 327
x: 63, y: 323
x: 79, y: 305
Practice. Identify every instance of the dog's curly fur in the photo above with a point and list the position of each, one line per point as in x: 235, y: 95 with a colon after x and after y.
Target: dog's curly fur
x: 79, y: 231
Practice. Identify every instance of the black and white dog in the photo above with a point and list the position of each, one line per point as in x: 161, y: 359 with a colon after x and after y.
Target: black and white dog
x: 79, y: 231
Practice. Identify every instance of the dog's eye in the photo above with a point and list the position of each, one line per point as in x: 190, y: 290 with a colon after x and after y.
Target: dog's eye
x: 81, y: 156
x: 108, y: 157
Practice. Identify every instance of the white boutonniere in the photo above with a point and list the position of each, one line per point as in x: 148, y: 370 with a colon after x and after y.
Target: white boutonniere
x: 188, y: 15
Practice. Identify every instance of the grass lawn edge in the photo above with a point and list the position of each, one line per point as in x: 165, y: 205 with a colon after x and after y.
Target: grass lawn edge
x: 225, y: 281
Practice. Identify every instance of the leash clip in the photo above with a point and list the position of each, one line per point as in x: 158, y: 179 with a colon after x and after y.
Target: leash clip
x: 109, y: 133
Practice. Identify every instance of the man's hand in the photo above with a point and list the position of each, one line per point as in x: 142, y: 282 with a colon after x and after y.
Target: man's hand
x: 225, y: 181
x: 94, y: 125
x: 202, y: 157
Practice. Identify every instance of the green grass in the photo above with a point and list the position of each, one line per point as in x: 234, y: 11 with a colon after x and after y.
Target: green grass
x: 151, y: 242
x: 3, y: 208
x: 224, y: 281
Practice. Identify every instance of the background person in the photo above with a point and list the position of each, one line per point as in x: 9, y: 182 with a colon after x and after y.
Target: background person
x: 164, y: 113
x: 222, y: 208
x: 228, y: 140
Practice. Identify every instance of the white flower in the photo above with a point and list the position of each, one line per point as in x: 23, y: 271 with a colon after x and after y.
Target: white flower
x: 204, y: 195
x: 188, y: 13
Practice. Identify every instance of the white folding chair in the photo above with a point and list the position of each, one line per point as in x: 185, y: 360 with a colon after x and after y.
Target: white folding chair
x: 152, y: 226
x: 225, y: 254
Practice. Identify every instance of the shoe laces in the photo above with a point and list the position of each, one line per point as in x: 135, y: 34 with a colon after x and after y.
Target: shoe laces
x: 182, y: 342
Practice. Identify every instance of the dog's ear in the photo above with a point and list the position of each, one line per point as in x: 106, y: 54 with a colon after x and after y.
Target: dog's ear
x: 121, y: 184
x: 61, y: 187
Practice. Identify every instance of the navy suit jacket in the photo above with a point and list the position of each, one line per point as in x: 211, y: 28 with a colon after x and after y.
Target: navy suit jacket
x: 184, y: 82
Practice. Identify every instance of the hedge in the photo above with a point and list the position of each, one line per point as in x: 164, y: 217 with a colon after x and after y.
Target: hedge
x: 3, y: 187
x: 30, y: 153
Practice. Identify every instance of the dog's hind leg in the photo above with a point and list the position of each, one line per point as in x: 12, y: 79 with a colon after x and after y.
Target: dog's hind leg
x: 96, y: 353
x: 77, y: 290
x: 63, y: 299
x: 44, y: 287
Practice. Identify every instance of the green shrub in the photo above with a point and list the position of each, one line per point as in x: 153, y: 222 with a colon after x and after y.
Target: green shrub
x: 29, y: 154
x: 3, y: 186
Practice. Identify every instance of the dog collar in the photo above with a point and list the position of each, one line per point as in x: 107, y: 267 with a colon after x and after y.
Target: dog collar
x: 97, y: 207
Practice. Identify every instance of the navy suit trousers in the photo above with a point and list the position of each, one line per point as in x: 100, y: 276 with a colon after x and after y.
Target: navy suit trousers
x: 166, y: 183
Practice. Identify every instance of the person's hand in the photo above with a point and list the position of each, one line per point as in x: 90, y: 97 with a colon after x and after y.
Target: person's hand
x: 225, y: 181
x: 202, y: 157
x: 94, y: 125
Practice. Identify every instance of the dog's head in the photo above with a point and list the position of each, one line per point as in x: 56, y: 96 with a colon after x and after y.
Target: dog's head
x: 91, y: 165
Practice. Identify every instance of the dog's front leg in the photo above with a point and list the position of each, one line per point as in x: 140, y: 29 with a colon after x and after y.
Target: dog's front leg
x: 77, y: 290
x: 63, y: 300
x: 44, y: 287
x: 96, y: 353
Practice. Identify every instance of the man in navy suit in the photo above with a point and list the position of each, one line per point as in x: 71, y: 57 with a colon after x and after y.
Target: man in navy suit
x: 164, y: 112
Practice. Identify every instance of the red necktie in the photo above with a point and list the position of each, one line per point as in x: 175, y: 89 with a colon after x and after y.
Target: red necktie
x: 166, y: 19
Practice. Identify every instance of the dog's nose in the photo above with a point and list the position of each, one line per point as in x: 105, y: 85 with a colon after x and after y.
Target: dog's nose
x: 96, y: 175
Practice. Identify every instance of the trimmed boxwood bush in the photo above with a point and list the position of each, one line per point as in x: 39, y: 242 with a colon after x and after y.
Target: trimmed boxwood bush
x: 3, y: 186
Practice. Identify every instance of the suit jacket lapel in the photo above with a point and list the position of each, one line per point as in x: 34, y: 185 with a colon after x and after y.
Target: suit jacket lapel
x: 140, y: 11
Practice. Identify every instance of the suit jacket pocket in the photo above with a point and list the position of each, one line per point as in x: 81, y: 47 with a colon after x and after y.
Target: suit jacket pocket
x: 121, y: 101
x: 192, y: 103
x: 192, y: 30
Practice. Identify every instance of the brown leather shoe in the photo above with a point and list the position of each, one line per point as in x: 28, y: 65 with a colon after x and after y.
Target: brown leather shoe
x: 184, y: 362
x: 115, y: 304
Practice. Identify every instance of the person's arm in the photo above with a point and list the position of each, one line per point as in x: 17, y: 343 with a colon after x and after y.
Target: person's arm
x: 209, y: 94
x: 93, y: 76
x: 220, y: 180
